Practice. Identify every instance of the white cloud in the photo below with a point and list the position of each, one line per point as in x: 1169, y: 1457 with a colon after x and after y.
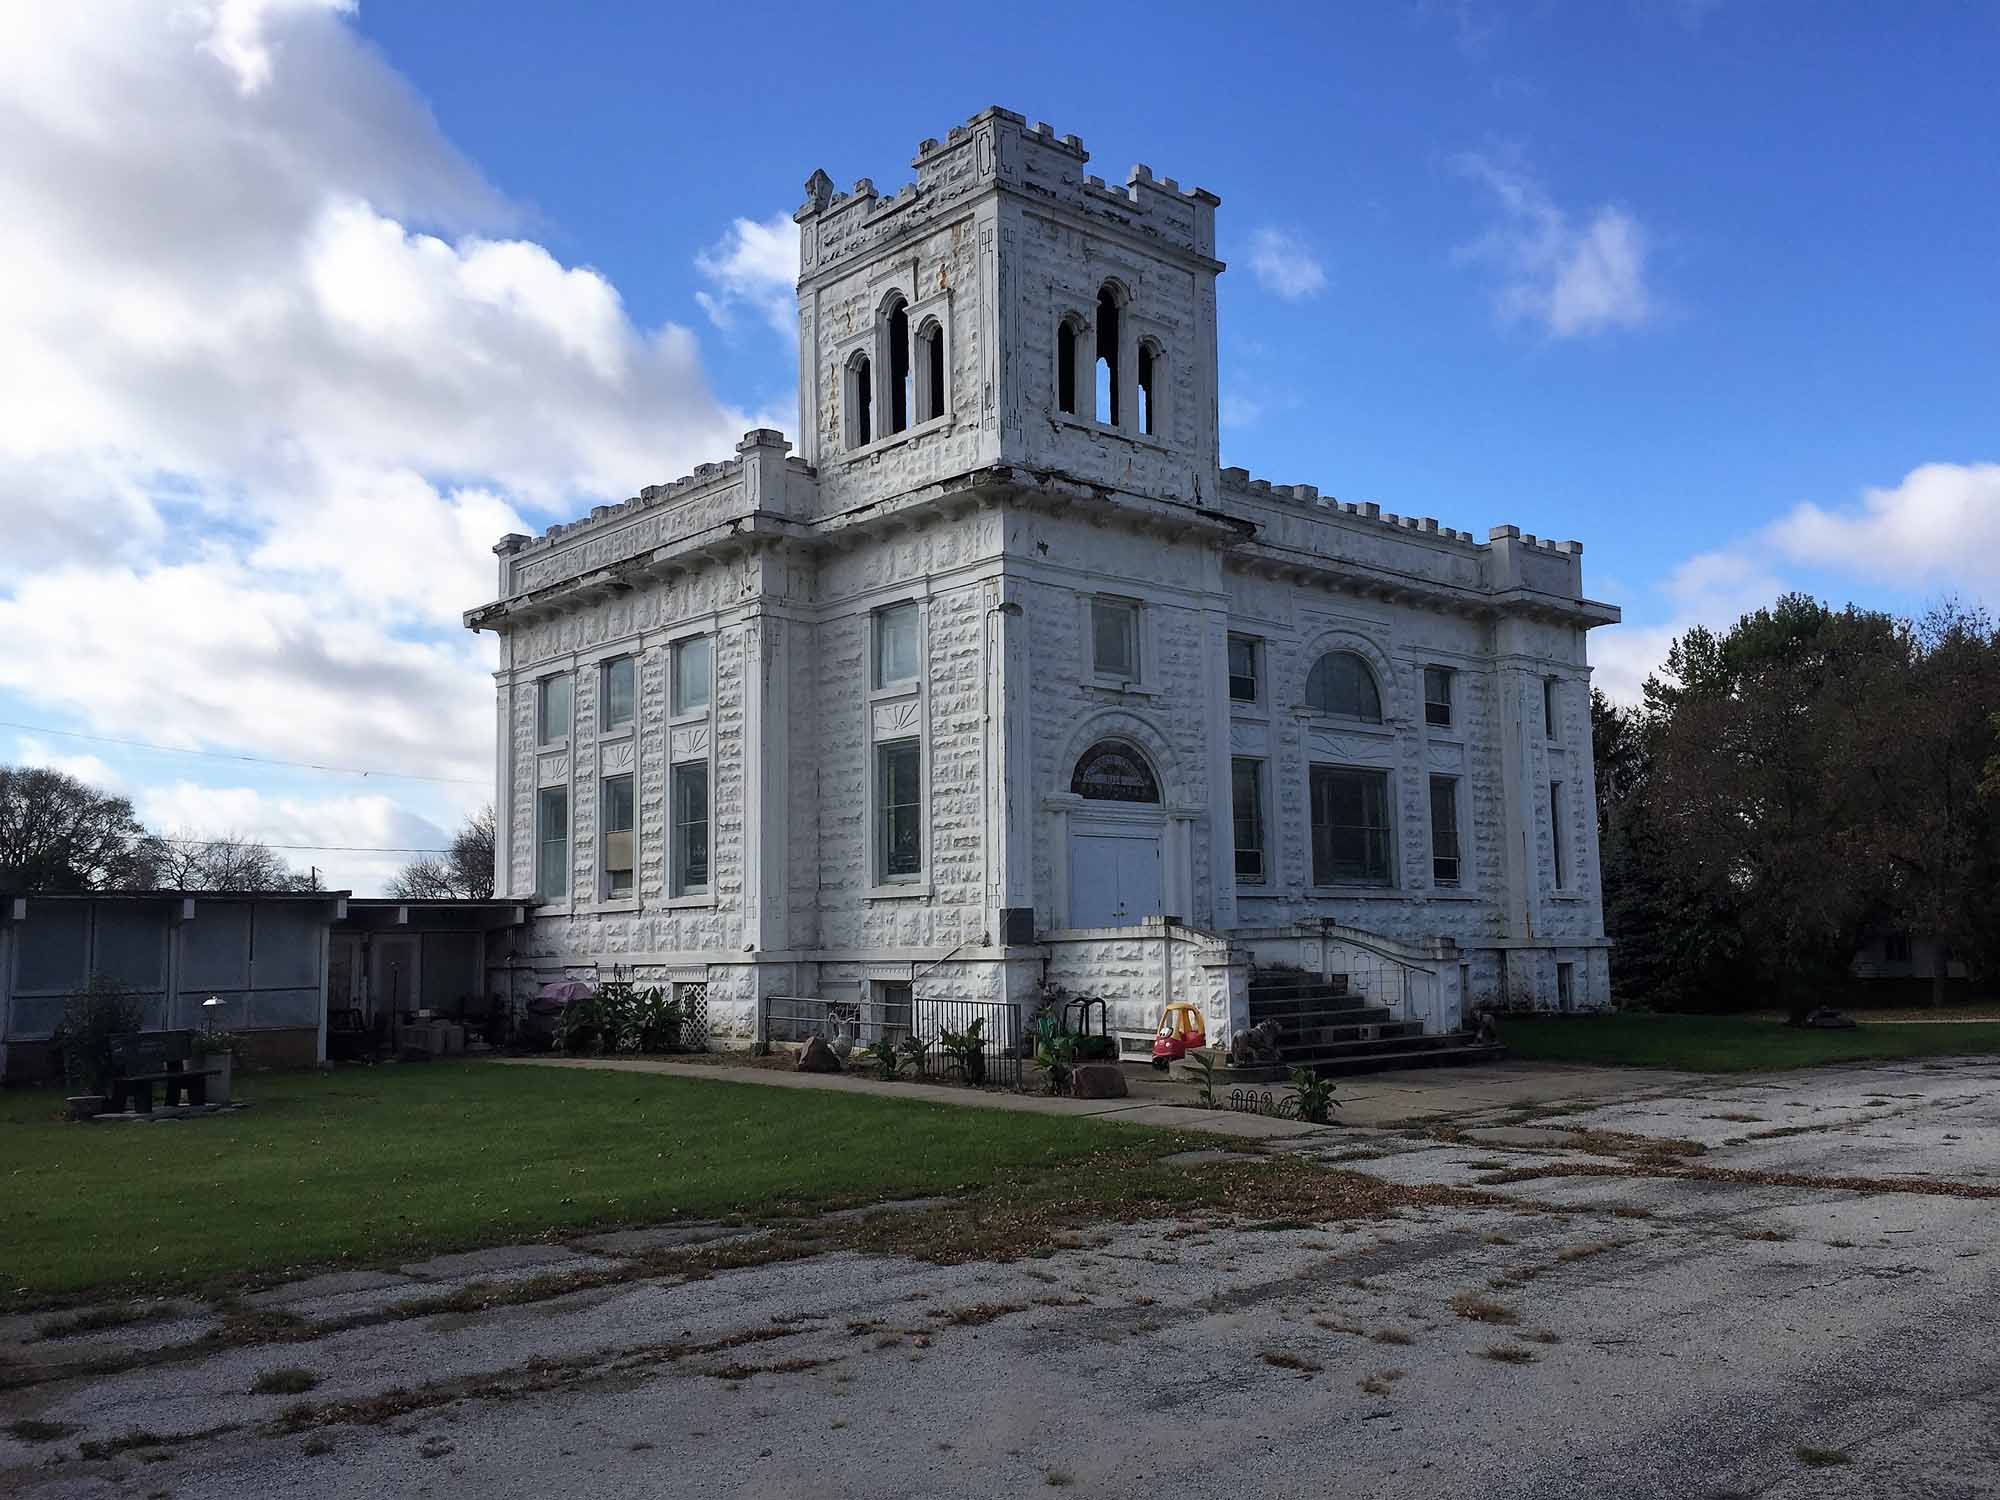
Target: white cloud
x: 1573, y: 279
x: 756, y: 263
x: 1941, y: 524
x: 276, y: 370
x: 1711, y: 588
x: 1285, y: 265
x: 1241, y: 411
x: 85, y: 768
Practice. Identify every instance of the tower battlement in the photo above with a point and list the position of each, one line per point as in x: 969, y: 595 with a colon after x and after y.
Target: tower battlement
x: 997, y: 148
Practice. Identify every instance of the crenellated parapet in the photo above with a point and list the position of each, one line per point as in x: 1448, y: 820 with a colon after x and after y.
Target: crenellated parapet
x: 713, y: 503
x: 1295, y: 521
x: 996, y: 149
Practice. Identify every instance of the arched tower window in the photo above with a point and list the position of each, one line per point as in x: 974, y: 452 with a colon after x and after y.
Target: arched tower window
x: 1113, y: 771
x: 1341, y: 683
x: 929, y: 382
x: 899, y: 366
x: 1152, y: 371
x: 1066, y: 340
x: 860, y: 396
x: 1108, y: 385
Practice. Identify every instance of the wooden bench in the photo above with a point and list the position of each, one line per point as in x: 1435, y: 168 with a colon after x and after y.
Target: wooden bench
x: 144, y: 1058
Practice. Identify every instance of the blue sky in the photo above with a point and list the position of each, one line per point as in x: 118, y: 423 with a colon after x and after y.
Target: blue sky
x: 1706, y: 284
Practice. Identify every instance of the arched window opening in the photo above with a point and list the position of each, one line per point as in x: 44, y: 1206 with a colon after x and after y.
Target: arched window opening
x: 1107, y: 357
x: 1341, y: 683
x: 930, y: 371
x: 899, y: 366
x: 1149, y: 407
x: 1066, y: 367
x: 1111, y: 771
x: 860, y: 402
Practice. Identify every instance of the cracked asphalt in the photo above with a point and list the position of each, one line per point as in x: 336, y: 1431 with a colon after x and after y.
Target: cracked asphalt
x: 1777, y: 1286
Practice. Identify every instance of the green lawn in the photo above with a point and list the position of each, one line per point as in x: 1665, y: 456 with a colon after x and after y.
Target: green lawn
x: 367, y: 1165
x: 1731, y: 1044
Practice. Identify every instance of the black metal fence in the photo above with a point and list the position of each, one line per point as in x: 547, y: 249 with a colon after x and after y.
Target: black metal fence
x: 999, y: 1022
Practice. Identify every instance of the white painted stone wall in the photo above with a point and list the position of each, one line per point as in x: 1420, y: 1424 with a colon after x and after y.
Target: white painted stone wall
x: 1000, y: 518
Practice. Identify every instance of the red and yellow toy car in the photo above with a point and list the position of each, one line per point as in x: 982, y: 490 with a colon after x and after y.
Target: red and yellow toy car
x: 1181, y: 1027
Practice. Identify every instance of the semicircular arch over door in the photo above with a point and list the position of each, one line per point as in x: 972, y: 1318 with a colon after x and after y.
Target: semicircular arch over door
x: 1117, y: 874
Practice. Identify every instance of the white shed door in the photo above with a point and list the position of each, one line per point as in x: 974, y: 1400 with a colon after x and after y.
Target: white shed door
x: 1114, y: 879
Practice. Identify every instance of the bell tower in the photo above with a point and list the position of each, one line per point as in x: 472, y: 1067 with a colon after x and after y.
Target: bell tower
x: 1008, y: 309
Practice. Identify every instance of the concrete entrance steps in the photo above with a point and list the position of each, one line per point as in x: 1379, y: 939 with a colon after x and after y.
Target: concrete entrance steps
x: 1324, y: 1026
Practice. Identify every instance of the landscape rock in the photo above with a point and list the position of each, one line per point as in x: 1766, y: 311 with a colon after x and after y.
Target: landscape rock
x: 1098, y: 1080
x: 817, y: 1057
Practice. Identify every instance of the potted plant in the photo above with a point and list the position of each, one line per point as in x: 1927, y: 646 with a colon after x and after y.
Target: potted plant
x: 106, y: 1009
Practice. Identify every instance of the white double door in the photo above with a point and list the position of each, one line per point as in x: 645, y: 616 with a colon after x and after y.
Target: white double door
x: 1116, y: 876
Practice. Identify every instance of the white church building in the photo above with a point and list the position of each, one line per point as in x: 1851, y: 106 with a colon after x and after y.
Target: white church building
x: 1001, y: 678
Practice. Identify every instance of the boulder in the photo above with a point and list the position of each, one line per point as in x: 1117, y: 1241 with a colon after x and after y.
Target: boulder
x: 816, y: 1057
x: 1098, y: 1080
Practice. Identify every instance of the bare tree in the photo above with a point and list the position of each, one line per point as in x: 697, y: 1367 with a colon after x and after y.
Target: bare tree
x: 184, y: 861
x: 58, y: 834
x: 465, y: 872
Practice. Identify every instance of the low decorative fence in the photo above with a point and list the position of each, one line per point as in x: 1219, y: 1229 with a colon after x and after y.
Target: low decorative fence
x: 863, y: 1022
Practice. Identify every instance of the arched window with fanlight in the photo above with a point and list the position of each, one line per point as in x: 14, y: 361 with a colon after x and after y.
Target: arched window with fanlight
x: 896, y: 328
x: 1342, y: 684
x: 1113, y: 771
x: 860, y: 393
x: 929, y: 383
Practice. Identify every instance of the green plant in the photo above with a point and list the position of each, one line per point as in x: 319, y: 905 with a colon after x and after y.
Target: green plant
x: 915, y: 1050
x: 105, y: 1009
x: 888, y: 1056
x: 967, y: 1051
x: 1312, y: 1095
x: 1203, y: 1063
x: 656, y: 1020
x: 581, y: 1028
x: 1096, y: 1048
x: 1056, y: 1056
x: 214, y: 1043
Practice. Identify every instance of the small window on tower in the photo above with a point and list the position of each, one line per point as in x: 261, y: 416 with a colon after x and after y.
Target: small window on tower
x: 1149, y: 374
x: 860, y: 399
x: 930, y: 371
x: 899, y: 366
x: 1107, y: 357
x: 1066, y: 366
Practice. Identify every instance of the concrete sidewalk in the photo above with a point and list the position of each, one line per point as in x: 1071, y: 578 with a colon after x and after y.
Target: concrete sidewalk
x: 1371, y: 1100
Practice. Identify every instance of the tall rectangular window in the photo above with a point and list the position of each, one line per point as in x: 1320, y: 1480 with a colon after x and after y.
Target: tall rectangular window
x: 618, y: 694
x: 1437, y: 696
x: 1444, y: 830
x: 552, y: 708
x: 1242, y: 669
x: 688, y: 837
x: 895, y: 645
x: 614, y: 817
x: 1246, y: 787
x: 1114, y: 639
x: 1556, y: 832
x: 1566, y: 986
x: 899, y: 844
x: 694, y: 673
x: 552, y: 843
x: 1551, y: 703
x: 1350, y: 826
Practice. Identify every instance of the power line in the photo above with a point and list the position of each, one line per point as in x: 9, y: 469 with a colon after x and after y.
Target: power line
x: 260, y: 760
x: 250, y: 843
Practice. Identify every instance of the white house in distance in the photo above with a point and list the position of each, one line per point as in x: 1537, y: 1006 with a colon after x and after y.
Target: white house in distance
x: 1002, y: 667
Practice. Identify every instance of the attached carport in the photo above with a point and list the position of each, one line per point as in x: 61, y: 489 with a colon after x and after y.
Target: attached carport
x: 391, y: 959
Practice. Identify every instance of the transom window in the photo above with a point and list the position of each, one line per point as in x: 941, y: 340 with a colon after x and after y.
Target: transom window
x: 1437, y: 696
x: 895, y: 645
x: 1114, y: 638
x: 1350, y: 826
x: 617, y: 694
x: 1341, y: 683
x: 1111, y: 771
x: 694, y: 673
x: 1243, y: 669
x: 552, y: 704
